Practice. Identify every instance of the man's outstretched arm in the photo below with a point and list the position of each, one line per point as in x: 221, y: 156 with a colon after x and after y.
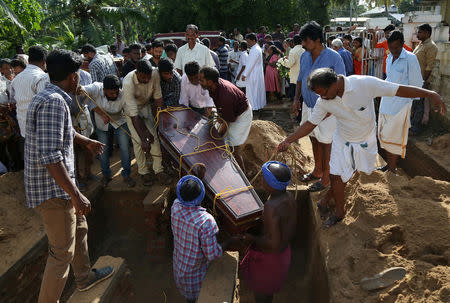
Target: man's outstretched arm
x: 303, y: 131
x: 406, y: 91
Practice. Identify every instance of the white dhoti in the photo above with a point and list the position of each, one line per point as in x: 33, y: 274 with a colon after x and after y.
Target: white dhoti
x: 393, y: 131
x: 347, y: 157
x: 238, y: 130
x: 324, y: 131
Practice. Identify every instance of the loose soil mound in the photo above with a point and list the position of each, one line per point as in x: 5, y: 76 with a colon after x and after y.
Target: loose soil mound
x: 391, y: 221
x: 438, y: 150
x: 261, y: 144
x: 20, y: 227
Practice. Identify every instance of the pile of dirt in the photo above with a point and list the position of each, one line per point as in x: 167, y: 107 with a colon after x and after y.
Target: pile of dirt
x: 391, y: 221
x: 438, y: 150
x: 20, y: 227
x: 261, y: 144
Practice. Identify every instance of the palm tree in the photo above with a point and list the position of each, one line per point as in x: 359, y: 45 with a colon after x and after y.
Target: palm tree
x: 92, y: 20
x: 5, y: 8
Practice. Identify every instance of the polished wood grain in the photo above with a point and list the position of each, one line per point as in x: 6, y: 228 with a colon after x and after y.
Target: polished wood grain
x: 221, y: 170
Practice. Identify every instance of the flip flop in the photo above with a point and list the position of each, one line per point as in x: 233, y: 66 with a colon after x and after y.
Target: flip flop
x: 308, y: 177
x: 383, y: 279
x: 332, y: 220
x: 382, y: 168
x: 317, y: 186
x: 323, y: 211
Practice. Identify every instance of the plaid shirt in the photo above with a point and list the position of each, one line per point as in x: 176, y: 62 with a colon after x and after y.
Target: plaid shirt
x: 195, y: 245
x: 49, y: 139
x: 171, y: 90
x: 101, y: 66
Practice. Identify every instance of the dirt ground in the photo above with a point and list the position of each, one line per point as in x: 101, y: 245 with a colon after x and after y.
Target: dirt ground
x: 391, y: 221
x: 20, y: 227
x: 261, y: 146
x: 438, y: 150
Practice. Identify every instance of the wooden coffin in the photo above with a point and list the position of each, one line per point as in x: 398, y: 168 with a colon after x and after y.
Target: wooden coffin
x: 240, y: 207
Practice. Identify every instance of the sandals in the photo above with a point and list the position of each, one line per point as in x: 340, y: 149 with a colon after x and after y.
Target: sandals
x: 317, y: 186
x: 332, y: 220
x: 382, y: 168
x: 308, y: 177
x: 383, y: 279
x: 323, y: 211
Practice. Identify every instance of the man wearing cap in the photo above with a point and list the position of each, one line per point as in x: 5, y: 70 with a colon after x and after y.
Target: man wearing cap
x: 266, y: 263
x: 194, y: 237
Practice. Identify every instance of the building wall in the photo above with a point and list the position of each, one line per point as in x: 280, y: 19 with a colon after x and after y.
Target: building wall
x: 441, y: 78
x: 445, y: 11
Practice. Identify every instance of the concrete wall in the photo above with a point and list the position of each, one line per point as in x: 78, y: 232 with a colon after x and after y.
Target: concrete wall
x: 441, y: 77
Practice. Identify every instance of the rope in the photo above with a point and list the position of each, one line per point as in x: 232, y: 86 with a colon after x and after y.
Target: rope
x: 110, y: 118
x: 293, y: 163
x: 193, y: 166
x: 226, y: 191
x: 225, y: 148
x: 81, y: 112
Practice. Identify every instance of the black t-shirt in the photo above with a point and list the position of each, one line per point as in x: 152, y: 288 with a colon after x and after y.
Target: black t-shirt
x: 153, y: 62
x: 127, y: 68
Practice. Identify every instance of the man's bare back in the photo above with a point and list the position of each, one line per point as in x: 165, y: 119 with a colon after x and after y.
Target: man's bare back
x: 279, y: 220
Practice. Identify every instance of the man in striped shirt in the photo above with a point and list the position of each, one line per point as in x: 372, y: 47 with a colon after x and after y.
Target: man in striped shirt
x: 222, y: 52
x: 99, y: 65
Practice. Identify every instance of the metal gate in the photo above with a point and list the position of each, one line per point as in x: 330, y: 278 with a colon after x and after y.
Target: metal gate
x: 372, y: 58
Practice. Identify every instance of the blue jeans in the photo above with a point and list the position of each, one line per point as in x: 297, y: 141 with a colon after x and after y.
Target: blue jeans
x: 124, y: 145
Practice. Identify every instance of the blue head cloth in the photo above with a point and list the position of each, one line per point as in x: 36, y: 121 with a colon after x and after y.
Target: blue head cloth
x: 270, y: 178
x: 197, y: 200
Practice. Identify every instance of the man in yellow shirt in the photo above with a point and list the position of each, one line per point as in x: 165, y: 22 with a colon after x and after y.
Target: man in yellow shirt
x: 426, y: 53
x: 140, y: 88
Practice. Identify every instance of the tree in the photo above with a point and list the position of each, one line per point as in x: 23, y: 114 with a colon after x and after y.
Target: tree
x: 95, y: 21
x: 406, y: 6
x: 226, y: 14
x: 19, y: 20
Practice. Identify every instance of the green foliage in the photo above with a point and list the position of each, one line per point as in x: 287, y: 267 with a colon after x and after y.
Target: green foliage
x: 227, y: 14
x: 17, y: 31
x: 69, y: 24
x: 406, y: 6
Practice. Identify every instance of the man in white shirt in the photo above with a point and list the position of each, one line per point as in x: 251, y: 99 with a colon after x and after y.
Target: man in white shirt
x: 233, y: 61
x: 293, y: 63
x: 140, y: 87
x: 241, y: 67
x: 253, y: 74
x: 354, y: 146
x: 192, y: 94
x: 109, y: 98
x: 192, y: 51
x: 20, y: 54
x: 402, y: 67
x: 28, y: 83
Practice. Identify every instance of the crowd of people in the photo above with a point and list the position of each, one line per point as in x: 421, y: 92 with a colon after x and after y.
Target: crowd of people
x: 54, y: 113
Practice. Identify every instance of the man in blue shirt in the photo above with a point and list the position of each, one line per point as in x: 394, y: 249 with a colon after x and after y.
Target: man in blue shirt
x: 317, y: 55
x: 402, y: 67
x: 346, y: 56
x: 222, y: 52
